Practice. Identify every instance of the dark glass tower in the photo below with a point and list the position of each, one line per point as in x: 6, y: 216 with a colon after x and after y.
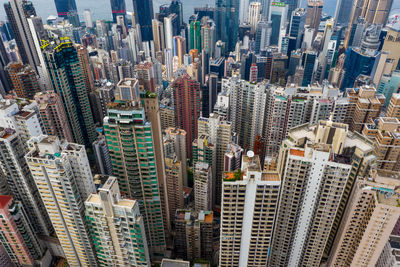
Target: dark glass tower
x: 227, y: 22
x: 4, y: 83
x: 67, y: 78
x: 64, y: 7
x: 292, y: 5
x: 176, y: 7
x: 118, y: 8
x: 143, y: 15
x: 357, y: 63
x: 309, y: 58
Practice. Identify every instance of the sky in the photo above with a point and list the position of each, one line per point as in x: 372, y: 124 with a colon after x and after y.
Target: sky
x: 45, y: 8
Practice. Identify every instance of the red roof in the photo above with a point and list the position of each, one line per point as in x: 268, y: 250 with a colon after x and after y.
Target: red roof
x: 4, y: 200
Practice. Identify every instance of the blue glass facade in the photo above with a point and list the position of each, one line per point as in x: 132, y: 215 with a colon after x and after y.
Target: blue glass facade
x: 276, y: 27
x: 309, y: 58
x: 65, y: 6
x: 143, y: 15
x: 118, y: 8
x: 227, y: 22
x: 356, y: 63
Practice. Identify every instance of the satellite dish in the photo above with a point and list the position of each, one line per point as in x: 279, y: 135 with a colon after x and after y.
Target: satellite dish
x: 250, y: 154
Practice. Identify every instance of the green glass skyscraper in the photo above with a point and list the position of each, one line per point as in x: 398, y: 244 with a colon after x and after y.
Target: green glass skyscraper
x: 66, y: 76
x: 195, y: 35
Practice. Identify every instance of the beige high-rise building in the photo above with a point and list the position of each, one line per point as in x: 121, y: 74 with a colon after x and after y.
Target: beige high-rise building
x: 365, y: 105
x: 152, y: 111
x: 202, y: 186
x: 174, y: 175
x: 167, y: 116
x: 158, y: 35
x: 175, y: 145
x: 83, y: 57
x: 385, y: 133
x: 249, y: 201
x: 254, y: 15
x: 368, y: 221
x: 314, y: 12
x: 64, y: 180
x: 318, y: 165
x: 117, y: 226
x: 219, y: 132
x: 53, y: 115
x: 392, y: 43
x: 394, y: 107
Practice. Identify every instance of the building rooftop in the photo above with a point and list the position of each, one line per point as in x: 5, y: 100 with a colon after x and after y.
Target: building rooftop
x: 271, y: 176
x: 125, y: 203
x: 174, y: 263
x: 6, y: 132
x: 4, y: 200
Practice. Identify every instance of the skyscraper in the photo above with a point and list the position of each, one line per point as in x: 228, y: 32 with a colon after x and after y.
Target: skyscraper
x: 310, y: 161
x: 263, y: 35
x: 144, y: 13
x: 83, y: 57
x: 227, y: 22
x: 136, y: 168
x: 219, y: 132
x: 53, y: 115
x: 203, y: 180
x: 292, y: 5
x: 296, y: 27
x: 187, y: 108
x: 5, y: 86
x: 158, y: 35
x: 343, y: 12
x: 314, y: 12
x: 372, y: 214
x: 17, y: 234
x: 254, y: 15
x: 118, y: 8
x: 63, y: 177
x: 372, y: 11
x: 277, y: 16
x: 392, y: 44
x: 175, y: 144
x: 73, y: 92
x: 195, y: 35
x: 64, y: 7
x: 383, y: 132
x: 208, y: 39
x: 309, y: 64
x: 174, y: 176
x: 117, y: 242
x: 357, y: 62
x: 20, y: 180
x: 24, y: 80
x: 247, y: 107
x: 145, y: 75
x: 366, y: 105
x: 194, y: 235
x: 394, y: 107
x: 87, y: 15
x: 249, y: 200
x: 18, y: 11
